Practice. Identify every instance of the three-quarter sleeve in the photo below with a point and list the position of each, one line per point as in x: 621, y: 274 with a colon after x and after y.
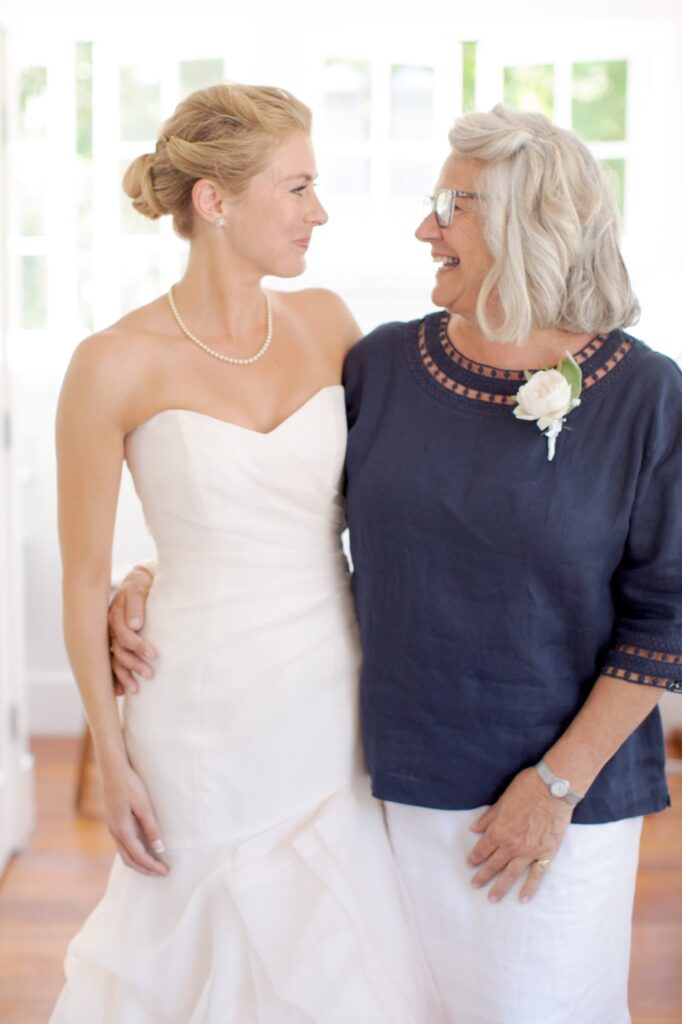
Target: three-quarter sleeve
x: 647, y: 644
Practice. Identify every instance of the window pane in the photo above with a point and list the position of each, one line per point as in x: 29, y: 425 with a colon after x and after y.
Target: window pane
x: 346, y: 87
x: 197, y: 74
x: 31, y: 189
x: 411, y: 104
x: 139, y: 279
x: 410, y: 178
x: 33, y: 292
x: 140, y: 103
x: 346, y: 176
x: 615, y: 170
x: 468, y: 76
x: 530, y: 88
x: 84, y: 99
x: 33, y: 103
x: 599, y: 99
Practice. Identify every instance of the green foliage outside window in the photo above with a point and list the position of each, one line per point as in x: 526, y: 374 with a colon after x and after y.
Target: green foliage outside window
x: 530, y: 87
x: 198, y: 74
x: 599, y: 100
x: 468, y: 76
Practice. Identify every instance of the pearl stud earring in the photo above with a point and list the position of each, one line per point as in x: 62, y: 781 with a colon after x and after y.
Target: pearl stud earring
x: 220, y: 222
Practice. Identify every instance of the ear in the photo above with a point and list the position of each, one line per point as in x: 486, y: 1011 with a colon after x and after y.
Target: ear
x: 208, y: 200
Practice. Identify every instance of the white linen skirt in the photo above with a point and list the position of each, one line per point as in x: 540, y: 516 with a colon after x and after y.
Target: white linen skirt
x: 562, y: 958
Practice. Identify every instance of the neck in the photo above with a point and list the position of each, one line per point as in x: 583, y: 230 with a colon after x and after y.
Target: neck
x: 220, y: 300
x: 540, y: 348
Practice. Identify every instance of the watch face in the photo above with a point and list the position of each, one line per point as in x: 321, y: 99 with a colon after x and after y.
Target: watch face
x: 559, y: 787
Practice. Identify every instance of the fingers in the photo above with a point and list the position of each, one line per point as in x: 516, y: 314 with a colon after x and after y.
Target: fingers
x: 151, y: 831
x: 484, y: 848
x: 124, y: 681
x: 131, y: 656
x: 538, y: 870
x: 483, y: 822
x: 133, y: 850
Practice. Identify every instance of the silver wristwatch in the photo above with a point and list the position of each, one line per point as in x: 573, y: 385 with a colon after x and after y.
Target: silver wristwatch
x: 560, y: 788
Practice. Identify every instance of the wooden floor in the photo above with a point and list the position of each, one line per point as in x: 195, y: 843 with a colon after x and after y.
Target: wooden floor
x: 47, y: 892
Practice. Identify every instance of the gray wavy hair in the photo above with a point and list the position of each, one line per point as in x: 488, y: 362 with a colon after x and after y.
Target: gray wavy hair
x: 552, y: 225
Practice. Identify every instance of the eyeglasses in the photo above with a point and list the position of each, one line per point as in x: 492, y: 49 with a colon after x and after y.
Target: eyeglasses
x: 443, y: 204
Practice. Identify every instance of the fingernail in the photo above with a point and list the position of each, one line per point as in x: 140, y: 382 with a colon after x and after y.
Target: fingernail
x: 158, y: 846
x: 135, y: 623
x: 146, y: 672
x: 476, y: 883
x: 149, y: 653
x: 525, y: 899
x: 493, y: 898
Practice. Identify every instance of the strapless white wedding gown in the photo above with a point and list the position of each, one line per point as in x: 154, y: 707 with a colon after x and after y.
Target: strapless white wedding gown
x: 282, y: 905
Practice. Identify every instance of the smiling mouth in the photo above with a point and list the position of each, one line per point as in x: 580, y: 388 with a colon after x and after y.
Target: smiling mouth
x: 446, y: 262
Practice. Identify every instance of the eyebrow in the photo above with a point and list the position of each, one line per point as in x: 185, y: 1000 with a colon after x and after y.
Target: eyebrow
x: 297, y: 177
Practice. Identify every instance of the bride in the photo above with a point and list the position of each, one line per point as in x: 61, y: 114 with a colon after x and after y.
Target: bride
x: 254, y: 881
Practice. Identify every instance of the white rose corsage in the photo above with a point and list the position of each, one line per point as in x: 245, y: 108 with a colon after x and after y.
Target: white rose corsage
x: 548, y: 396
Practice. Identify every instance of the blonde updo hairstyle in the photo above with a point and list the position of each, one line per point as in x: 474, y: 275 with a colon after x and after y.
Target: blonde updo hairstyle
x: 224, y: 133
x: 552, y: 225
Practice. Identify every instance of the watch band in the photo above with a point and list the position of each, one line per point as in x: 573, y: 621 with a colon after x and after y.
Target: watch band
x: 559, y: 788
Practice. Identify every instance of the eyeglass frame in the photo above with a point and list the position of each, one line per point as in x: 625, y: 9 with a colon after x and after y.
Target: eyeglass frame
x: 455, y: 193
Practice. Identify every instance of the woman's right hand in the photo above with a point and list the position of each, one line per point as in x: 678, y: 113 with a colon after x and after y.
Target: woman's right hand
x: 131, y: 820
x: 130, y: 652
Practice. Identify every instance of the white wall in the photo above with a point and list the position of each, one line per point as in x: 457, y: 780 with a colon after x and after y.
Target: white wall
x: 656, y: 263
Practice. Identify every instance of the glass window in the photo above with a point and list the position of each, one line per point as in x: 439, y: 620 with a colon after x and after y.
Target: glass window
x: 411, y: 178
x: 140, y: 278
x: 615, y: 170
x: 530, y: 87
x: 468, y: 76
x: 140, y: 103
x: 599, y: 100
x: 412, y: 99
x: 347, y: 94
x: 198, y: 74
x: 34, y: 292
x: 84, y: 99
x: 345, y: 176
x: 32, y: 197
x: 33, y: 103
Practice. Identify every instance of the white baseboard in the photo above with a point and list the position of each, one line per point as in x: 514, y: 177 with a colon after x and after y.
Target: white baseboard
x: 54, y: 705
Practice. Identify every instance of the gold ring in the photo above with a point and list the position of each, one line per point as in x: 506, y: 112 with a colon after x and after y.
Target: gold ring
x: 544, y: 863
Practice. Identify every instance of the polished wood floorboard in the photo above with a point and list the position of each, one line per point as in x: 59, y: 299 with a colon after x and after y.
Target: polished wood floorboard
x: 48, y: 891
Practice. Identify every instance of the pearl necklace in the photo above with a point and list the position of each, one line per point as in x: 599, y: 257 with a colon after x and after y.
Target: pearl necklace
x: 218, y: 355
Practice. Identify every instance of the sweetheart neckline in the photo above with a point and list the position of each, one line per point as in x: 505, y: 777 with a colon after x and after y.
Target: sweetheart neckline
x: 238, y: 426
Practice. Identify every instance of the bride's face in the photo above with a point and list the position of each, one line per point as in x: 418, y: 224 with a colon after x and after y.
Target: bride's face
x: 271, y: 224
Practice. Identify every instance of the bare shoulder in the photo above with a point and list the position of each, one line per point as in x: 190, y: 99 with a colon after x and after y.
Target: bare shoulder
x: 328, y: 312
x: 110, y: 367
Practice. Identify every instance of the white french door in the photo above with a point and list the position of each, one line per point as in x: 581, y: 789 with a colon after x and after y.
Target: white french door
x: 16, y: 763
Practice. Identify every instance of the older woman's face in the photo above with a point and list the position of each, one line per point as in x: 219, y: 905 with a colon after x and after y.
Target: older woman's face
x: 460, y: 250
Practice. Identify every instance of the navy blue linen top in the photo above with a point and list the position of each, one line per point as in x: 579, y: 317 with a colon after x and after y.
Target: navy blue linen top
x: 492, y: 586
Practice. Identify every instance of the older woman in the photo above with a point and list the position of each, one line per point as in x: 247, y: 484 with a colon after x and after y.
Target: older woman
x: 518, y: 577
x: 517, y: 547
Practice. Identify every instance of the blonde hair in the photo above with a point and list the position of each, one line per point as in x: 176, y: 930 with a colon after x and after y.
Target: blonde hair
x: 552, y: 226
x: 224, y: 133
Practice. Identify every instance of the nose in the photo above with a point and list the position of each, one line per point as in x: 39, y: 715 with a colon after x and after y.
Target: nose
x: 317, y: 214
x: 428, y: 229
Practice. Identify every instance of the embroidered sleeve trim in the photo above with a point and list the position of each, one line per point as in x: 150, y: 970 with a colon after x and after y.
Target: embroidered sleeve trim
x: 672, y: 685
x: 651, y: 654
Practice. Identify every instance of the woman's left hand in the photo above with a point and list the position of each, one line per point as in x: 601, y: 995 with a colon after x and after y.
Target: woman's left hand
x: 524, y: 827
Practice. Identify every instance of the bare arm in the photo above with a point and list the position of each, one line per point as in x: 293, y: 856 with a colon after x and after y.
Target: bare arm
x: 90, y: 433
x: 528, y: 824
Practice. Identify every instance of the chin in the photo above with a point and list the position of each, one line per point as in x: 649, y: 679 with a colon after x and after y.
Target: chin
x: 288, y: 268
